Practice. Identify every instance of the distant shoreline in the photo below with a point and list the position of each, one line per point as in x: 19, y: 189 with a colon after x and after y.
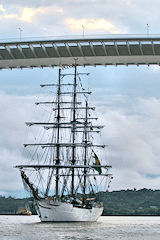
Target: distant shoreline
x: 143, y: 202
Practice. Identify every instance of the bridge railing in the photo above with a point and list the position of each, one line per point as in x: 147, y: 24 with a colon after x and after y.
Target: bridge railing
x: 82, y: 37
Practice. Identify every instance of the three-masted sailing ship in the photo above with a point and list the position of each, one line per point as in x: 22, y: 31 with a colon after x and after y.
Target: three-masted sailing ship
x: 65, y: 172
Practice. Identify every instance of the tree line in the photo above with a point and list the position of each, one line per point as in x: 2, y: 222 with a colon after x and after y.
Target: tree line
x: 123, y: 202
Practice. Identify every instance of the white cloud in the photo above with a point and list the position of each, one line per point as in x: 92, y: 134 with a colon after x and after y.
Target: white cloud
x: 28, y: 13
x: 60, y: 10
x: 91, y: 24
x: 11, y: 138
x: 133, y: 141
x: 2, y: 9
x: 14, y: 133
x: 24, y: 14
x: 115, y: 16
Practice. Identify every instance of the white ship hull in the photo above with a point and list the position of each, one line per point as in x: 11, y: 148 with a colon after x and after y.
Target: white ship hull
x: 65, y: 212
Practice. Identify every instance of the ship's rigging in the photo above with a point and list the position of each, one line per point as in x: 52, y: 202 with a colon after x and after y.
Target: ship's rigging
x: 68, y: 158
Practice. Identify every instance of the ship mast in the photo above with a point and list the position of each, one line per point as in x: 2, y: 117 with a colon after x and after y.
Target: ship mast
x: 85, y: 148
x: 74, y: 126
x: 58, y: 131
x: 58, y: 137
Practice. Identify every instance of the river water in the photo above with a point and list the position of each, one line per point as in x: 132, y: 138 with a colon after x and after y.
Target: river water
x: 110, y: 228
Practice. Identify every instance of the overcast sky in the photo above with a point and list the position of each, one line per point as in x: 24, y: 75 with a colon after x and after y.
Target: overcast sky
x: 127, y: 98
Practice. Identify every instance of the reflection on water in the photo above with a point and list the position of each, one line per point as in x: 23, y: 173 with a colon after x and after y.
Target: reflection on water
x: 110, y: 228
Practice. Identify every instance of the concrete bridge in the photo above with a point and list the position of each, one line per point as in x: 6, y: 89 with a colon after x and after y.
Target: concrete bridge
x: 89, y: 51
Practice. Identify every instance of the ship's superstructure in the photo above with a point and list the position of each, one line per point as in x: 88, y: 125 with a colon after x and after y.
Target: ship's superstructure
x: 65, y: 169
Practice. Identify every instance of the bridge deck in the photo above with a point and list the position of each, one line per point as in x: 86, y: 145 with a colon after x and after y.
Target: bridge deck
x: 97, y: 51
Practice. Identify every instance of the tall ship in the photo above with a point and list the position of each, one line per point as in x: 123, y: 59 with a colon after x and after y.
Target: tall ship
x: 64, y: 171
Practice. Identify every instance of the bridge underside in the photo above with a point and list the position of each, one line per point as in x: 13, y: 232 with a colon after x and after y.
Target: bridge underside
x: 88, y: 52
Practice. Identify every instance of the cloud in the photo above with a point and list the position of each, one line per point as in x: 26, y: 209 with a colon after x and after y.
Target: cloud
x: 115, y: 16
x: 91, y: 24
x: 11, y: 139
x: 133, y: 139
x: 9, y: 16
x: 62, y: 14
x: 2, y: 8
x: 133, y: 142
x: 60, y: 10
x: 28, y: 13
x: 18, y: 110
x: 25, y: 14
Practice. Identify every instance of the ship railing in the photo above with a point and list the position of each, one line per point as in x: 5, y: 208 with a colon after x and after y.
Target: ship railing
x: 98, y: 204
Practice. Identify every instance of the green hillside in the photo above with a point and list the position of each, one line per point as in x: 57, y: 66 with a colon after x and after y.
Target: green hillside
x: 124, y: 202
x: 131, y: 202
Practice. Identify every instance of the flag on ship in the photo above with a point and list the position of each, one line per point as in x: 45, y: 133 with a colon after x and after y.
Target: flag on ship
x: 97, y: 163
